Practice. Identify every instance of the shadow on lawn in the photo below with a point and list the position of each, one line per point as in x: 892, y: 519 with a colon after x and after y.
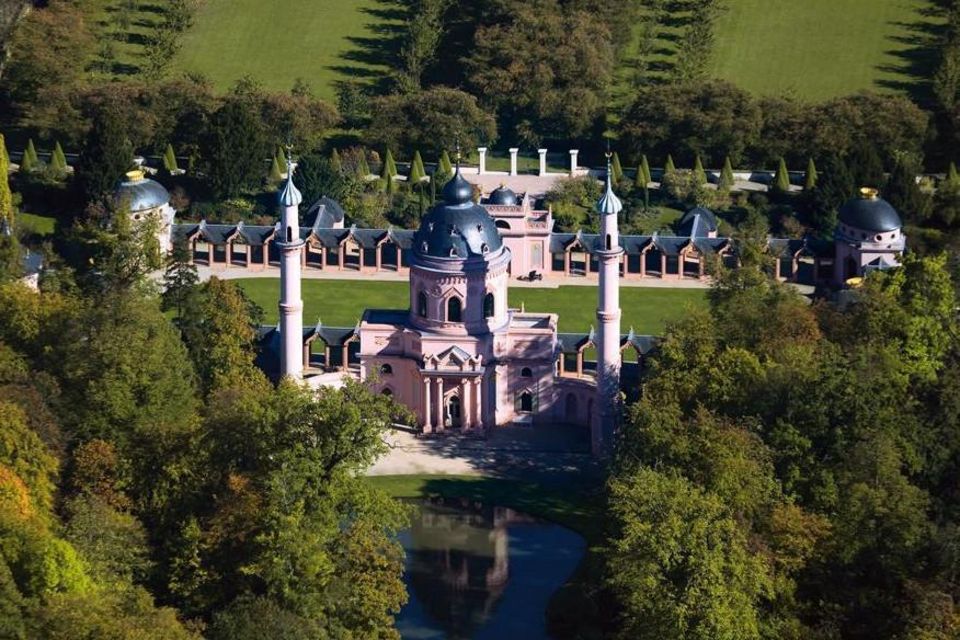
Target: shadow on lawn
x: 915, y: 64
x: 374, y: 57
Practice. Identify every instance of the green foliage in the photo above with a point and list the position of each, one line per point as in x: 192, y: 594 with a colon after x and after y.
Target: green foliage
x: 668, y: 166
x: 235, y: 147
x: 219, y: 307
x: 953, y: 178
x: 170, y: 160
x: 106, y: 154
x: 275, y: 175
x: 430, y: 120
x: 335, y: 162
x: 781, y: 179
x: 726, y: 176
x: 698, y: 172
x: 417, y: 171
x: 281, y: 157
x: 643, y: 177
x: 617, y: 168
x: 58, y: 160
x: 6, y: 196
x: 388, y: 171
x: 179, y: 279
x: 29, y: 161
x: 444, y: 164
x: 810, y: 177
x: 316, y: 176
x: 903, y: 192
x: 681, y: 564
x: 24, y: 454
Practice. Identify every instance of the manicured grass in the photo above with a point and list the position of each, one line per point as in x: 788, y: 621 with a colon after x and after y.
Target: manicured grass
x: 275, y: 43
x: 341, y: 302
x: 817, y: 48
x: 36, y: 225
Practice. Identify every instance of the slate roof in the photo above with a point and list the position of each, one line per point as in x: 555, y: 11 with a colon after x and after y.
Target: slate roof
x: 698, y: 222
x: 325, y: 212
x: 870, y: 212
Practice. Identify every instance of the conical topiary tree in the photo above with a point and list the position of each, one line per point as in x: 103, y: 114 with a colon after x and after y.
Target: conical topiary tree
x: 58, y: 160
x: 389, y: 165
x: 952, y: 175
x: 645, y: 165
x: 417, y: 172
x: 30, y: 161
x: 275, y: 174
x: 6, y: 197
x: 726, y: 176
x: 810, y: 179
x: 616, y: 167
x: 669, y: 167
x: 781, y: 180
x: 281, y: 158
x: 698, y: 173
x: 335, y: 162
x: 445, y: 165
x: 363, y: 169
x: 170, y: 160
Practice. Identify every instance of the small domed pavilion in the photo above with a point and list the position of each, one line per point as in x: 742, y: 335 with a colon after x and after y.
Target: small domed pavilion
x: 869, y: 237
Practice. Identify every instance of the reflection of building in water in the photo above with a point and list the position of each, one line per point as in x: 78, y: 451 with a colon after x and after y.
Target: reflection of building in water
x: 459, y: 561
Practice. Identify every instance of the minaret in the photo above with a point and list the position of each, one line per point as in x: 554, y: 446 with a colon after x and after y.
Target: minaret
x: 608, y: 321
x: 291, y: 304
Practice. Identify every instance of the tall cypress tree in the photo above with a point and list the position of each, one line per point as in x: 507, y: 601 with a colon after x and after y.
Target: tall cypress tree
x: 416, y: 170
x: 953, y: 178
x: 445, y: 165
x: 281, y: 158
x: 363, y: 168
x: 236, y: 146
x: 6, y: 197
x: 781, y: 180
x: 389, y: 165
x: 616, y: 167
x: 170, y: 159
x: 335, y: 160
x: 29, y: 160
x: 810, y: 178
x: 669, y: 167
x: 698, y: 172
x: 58, y: 160
x: 726, y: 176
x: 275, y: 175
x: 106, y: 155
x: 643, y: 173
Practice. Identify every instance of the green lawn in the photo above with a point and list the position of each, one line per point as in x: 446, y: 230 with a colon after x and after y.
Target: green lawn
x: 341, y: 302
x: 816, y: 48
x: 277, y: 42
x: 36, y: 225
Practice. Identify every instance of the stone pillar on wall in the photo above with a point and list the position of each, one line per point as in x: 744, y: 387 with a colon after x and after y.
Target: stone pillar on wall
x: 483, y: 160
x: 543, y: 161
x: 513, y: 160
x: 573, y: 162
x: 438, y: 405
x: 478, y: 402
x: 427, y: 423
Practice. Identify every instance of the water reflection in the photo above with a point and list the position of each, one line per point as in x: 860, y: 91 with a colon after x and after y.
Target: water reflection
x: 477, y: 571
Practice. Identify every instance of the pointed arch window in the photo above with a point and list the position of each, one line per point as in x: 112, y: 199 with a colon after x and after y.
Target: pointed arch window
x: 422, y: 304
x: 488, y: 305
x: 454, y: 310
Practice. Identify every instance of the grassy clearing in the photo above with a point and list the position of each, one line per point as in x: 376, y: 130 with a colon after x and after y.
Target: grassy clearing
x: 815, y: 50
x: 276, y: 43
x: 341, y: 302
x: 818, y: 48
x: 35, y: 225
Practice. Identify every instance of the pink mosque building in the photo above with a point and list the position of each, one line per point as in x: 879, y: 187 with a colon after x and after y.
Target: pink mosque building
x: 459, y: 357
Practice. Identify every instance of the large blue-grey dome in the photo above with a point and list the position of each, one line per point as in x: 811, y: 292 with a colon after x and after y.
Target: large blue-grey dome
x: 502, y: 196
x: 456, y: 228
x: 140, y: 193
x: 870, y: 212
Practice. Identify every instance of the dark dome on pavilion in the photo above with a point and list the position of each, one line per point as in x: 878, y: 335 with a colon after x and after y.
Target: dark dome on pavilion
x: 870, y: 212
x: 140, y: 193
x: 456, y: 228
x: 502, y: 196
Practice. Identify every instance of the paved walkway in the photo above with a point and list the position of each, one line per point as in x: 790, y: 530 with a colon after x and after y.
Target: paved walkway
x: 506, y: 451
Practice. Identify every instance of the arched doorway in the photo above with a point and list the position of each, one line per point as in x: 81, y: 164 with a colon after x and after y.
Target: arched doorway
x: 454, y: 415
x: 850, y: 268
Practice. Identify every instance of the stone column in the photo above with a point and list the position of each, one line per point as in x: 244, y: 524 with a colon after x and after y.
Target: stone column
x: 573, y: 161
x: 543, y: 161
x: 343, y: 255
x: 483, y: 160
x: 702, y: 267
x: 265, y: 258
x: 379, y: 256
x: 229, y: 253
x: 478, y: 402
x: 303, y: 255
x: 427, y: 424
x: 580, y: 363
x: 193, y: 250
x: 306, y: 355
x: 663, y: 265
x: 209, y: 254
x: 466, y: 415
x: 566, y: 263
x: 438, y: 405
x: 643, y: 264
x: 563, y: 363
x: 323, y: 257
x: 513, y: 160
x: 776, y: 268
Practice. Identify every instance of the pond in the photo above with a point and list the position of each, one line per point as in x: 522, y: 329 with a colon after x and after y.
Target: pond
x: 478, y: 571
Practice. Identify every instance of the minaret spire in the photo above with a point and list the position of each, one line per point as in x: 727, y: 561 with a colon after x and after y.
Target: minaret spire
x: 291, y: 303
x: 609, y: 255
